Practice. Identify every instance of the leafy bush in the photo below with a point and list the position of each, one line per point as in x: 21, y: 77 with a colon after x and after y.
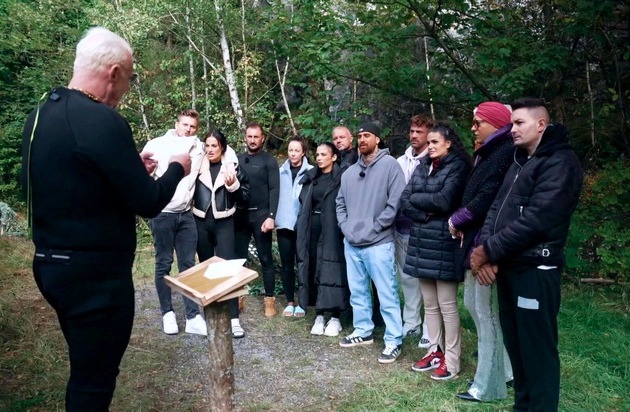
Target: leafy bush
x: 599, y: 239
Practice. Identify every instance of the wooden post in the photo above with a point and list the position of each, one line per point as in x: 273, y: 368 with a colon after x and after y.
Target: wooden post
x: 221, y: 371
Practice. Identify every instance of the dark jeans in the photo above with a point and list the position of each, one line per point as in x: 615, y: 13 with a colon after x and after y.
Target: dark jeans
x: 215, y: 237
x: 173, y: 231
x: 248, y: 223
x: 529, y: 302
x: 93, y: 296
x: 287, y: 249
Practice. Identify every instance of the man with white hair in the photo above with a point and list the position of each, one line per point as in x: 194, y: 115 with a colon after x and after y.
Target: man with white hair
x: 84, y: 184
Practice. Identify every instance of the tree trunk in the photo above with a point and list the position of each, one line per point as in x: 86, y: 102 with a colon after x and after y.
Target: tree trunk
x: 229, y: 72
x: 221, y: 370
x: 191, y: 65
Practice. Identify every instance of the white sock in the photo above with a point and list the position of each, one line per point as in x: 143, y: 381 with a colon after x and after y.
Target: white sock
x: 235, y: 322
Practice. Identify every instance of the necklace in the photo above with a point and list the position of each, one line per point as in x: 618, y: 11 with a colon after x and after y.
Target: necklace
x: 88, y: 94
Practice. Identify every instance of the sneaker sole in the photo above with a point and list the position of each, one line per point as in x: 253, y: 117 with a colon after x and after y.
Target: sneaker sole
x: 430, y: 368
x: 386, y: 361
x: 443, y: 378
x: 316, y: 334
x: 349, y: 345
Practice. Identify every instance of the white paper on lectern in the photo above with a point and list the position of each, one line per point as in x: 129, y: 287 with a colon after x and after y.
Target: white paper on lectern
x: 224, y: 268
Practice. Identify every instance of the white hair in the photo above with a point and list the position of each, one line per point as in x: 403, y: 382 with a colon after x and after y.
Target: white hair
x: 100, y: 48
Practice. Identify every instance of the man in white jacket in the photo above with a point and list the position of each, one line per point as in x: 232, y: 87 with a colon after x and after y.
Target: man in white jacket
x: 174, y: 228
x: 418, y: 148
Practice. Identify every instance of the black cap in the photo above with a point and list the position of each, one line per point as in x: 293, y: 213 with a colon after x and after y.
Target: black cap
x: 370, y: 128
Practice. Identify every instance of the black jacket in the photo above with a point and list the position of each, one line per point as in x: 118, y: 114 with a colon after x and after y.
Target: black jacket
x: 528, y: 222
x: 330, y: 278
x: 347, y: 158
x: 217, y: 198
x: 429, y: 200
x: 492, y: 160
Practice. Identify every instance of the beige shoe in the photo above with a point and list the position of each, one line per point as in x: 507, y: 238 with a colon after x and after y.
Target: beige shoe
x: 270, y: 307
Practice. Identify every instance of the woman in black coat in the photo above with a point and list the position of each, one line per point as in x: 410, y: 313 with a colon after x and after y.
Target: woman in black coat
x: 494, y: 153
x: 322, y: 278
x: 432, y: 194
x: 219, y: 185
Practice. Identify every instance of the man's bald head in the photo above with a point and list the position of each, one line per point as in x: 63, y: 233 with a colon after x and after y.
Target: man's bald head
x: 342, y: 138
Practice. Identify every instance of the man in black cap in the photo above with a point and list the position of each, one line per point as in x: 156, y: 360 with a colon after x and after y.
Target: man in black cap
x: 366, y: 210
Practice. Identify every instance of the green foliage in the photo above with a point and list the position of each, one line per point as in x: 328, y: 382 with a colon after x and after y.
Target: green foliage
x: 599, y: 239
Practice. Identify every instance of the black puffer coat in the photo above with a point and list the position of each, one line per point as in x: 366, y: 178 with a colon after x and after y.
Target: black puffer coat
x: 331, y: 279
x: 429, y: 201
x: 492, y: 160
x: 528, y: 222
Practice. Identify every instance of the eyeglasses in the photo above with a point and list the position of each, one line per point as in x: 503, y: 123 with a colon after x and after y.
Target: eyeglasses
x: 476, y: 123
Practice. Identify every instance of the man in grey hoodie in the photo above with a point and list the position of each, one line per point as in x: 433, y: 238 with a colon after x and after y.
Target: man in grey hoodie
x: 366, y: 210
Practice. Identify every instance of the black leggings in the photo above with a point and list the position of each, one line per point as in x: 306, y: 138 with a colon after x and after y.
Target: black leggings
x: 216, y: 237
x: 94, y: 301
x: 287, y: 249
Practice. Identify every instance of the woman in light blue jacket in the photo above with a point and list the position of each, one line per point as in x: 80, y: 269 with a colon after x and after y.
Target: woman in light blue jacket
x: 291, y: 173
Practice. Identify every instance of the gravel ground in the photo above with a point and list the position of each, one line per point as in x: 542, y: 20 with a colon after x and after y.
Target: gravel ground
x: 278, y: 366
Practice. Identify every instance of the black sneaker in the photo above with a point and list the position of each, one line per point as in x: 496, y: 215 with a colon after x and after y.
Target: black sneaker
x: 356, y: 340
x: 389, y: 354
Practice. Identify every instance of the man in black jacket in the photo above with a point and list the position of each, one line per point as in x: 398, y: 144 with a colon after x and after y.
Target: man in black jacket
x: 522, y: 243
x: 84, y: 184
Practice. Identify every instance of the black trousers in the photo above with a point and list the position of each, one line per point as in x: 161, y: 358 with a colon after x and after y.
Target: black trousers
x: 287, y: 248
x: 215, y: 237
x: 247, y: 224
x: 93, y: 296
x: 529, y: 302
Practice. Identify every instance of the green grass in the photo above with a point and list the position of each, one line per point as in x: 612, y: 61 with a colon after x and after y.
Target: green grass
x: 594, y: 334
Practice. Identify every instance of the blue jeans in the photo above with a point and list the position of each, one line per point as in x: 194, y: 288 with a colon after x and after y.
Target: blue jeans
x: 376, y: 263
x: 176, y: 231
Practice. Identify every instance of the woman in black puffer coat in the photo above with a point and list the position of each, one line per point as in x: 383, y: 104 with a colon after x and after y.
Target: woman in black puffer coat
x: 432, y: 194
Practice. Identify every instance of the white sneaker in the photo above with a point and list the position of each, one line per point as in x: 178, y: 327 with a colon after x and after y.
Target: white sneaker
x: 197, y: 326
x: 424, y: 343
x: 169, y: 323
x: 333, y: 327
x: 318, y: 326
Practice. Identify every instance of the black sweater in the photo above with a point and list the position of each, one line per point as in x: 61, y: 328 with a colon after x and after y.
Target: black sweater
x: 264, y: 181
x: 87, y: 179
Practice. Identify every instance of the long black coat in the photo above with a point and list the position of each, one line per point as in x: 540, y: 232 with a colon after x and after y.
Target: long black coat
x: 429, y: 200
x: 331, y: 278
x: 492, y: 160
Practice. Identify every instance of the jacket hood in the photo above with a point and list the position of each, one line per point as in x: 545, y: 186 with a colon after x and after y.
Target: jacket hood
x: 554, y: 138
x: 379, y: 155
x: 287, y: 165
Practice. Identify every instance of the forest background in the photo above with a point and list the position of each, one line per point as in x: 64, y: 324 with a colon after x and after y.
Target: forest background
x: 300, y: 67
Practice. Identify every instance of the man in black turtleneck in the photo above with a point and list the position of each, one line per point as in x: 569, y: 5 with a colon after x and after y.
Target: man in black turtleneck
x: 84, y: 184
x: 257, y: 217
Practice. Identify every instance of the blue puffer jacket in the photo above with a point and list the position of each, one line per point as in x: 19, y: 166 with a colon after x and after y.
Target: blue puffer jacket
x: 289, y: 203
x: 429, y: 200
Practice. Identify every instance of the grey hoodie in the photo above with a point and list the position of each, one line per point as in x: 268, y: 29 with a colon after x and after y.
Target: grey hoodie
x: 368, y: 200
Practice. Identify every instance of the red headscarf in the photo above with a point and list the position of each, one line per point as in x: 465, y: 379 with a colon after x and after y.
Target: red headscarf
x: 494, y: 113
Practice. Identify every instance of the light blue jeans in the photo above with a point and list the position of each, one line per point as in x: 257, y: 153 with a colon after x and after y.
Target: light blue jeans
x: 376, y: 263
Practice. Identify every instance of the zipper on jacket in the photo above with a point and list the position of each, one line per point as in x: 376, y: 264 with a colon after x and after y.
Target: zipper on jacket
x: 494, y: 229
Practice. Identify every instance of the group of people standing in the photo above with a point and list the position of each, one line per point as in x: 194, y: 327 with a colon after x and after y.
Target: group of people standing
x: 497, y: 222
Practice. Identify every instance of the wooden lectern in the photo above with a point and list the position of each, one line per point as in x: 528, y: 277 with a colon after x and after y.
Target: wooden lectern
x: 213, y: 295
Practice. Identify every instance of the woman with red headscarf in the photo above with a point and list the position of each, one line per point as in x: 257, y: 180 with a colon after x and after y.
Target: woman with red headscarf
x: 493, y: 155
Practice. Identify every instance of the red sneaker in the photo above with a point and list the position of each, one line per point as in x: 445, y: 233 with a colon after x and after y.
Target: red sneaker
x: 431, y: 361
x: 442, y: 373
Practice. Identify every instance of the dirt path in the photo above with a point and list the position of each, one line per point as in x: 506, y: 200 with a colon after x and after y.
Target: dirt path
x: 278, y: 366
